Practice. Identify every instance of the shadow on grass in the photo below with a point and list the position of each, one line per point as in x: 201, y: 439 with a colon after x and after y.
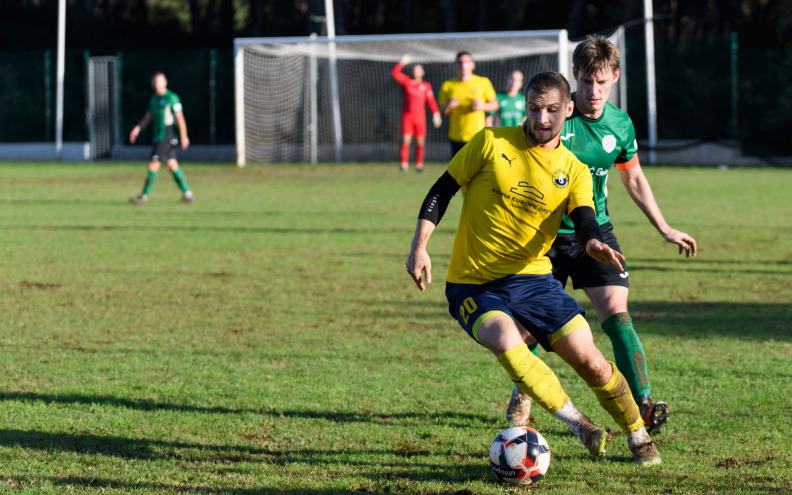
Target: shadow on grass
x: 650, y: 263
x: 711, y: 267
x: 407, y: 478
x: 454, y: 419
x: 369, y: 466
x: 77, y: 482
x: 81, y: 483
x: 133, y: 448
x: 742, y: 321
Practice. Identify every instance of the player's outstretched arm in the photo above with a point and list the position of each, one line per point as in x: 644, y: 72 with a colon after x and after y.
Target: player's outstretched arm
x: 432, y: 210
x: 683, y: 240
x: 589, y: 237
x: 418, y: 262
x: 486, y: 106
x: 145, y: 121
x: 604, y: 253
x: 184, y: 141
x: 640, y: 191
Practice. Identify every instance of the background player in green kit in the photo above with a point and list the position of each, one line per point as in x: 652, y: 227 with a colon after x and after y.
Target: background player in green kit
x: 512, y: 103
x: 601, y: 135
x: 164, y: 110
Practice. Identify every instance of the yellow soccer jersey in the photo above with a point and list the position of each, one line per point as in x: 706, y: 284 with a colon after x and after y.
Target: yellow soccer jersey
x: 463, y: 123
x: 517, y: 194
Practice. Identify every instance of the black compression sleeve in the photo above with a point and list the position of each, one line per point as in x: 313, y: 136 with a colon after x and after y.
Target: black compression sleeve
x: 436, y: 202
x: 586, y: 226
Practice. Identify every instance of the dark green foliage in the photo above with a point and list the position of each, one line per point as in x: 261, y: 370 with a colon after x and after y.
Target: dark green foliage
x: 693, y: 64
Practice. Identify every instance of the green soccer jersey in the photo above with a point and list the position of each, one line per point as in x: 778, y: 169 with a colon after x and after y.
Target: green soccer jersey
x: 163, y: 108
x: 512, y: 109
x: 599, y: 143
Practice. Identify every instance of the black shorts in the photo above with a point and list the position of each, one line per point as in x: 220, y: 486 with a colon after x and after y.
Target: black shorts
x: 456, y: 146
x: 570, y: 261
x: 162, y: 151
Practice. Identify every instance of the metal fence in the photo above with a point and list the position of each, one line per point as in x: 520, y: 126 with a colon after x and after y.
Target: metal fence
x: 203, y: 79
x: 708, y: 90
x: 103, y: 112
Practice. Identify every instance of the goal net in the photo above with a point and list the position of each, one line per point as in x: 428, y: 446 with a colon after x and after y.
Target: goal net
x: 312, y: 99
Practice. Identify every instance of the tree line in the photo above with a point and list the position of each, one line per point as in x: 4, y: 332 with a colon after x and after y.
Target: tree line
x: 114, y: 25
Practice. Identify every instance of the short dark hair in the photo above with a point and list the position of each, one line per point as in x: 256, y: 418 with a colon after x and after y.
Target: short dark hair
x: 595, y: 54
x: 460, y: 54
x: 545, y: 82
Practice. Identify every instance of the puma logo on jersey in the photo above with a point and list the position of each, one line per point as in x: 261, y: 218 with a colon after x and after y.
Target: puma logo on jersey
x: 507, y: 158
x: 567, y: 136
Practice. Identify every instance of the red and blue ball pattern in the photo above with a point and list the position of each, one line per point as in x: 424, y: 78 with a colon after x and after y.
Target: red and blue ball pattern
x: 519, y: 456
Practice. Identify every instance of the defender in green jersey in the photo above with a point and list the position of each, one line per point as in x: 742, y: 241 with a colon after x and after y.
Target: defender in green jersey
x: 164, y: 110
x: 512, y: 103
x: 601, y: 135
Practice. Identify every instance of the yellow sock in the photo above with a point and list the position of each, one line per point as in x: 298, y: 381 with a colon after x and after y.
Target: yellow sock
x: 616, y: 398
x: 534, y: 377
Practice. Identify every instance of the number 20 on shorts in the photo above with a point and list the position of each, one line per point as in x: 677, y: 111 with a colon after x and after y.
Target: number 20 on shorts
x: 467, y: 308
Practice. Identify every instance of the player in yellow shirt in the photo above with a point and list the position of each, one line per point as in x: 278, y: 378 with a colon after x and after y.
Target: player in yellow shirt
x: 520, y: 181
x: 466, y: 100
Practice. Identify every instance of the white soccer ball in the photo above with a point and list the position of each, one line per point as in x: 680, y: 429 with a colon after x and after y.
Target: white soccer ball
x: 519, y: 455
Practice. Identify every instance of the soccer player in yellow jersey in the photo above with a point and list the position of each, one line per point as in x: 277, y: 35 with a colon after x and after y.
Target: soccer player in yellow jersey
x: 466, y: 100
x: 520, y: 182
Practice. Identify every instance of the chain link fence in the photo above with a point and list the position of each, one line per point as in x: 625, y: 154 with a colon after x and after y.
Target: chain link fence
x: 700, y: 96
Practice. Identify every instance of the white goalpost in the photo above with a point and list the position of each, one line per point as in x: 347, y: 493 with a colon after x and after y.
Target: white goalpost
x: 312, y: 99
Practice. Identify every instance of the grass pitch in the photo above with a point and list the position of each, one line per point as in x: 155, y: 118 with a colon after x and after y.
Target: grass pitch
x: 267, y: 338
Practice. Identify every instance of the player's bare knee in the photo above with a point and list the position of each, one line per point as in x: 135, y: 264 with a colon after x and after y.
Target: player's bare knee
x: 595, y: 371
x: 499, y: 334
x: 154, y: 166
x: 172, y: 165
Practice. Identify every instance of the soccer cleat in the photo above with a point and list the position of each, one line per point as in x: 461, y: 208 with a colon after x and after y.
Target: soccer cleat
x: 188, y: 197
x: 404, y: 167
x: 595, y: 439
x: 139, y: 200
x: 419, y: 167
x: 654, y: 414
x: 518, y: 412
x: 646, y: 454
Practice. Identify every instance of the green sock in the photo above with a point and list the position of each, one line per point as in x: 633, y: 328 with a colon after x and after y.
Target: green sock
x: 181, y: 180
x: 629, y: 353
x: 533, y: 348
x: 151, y: 178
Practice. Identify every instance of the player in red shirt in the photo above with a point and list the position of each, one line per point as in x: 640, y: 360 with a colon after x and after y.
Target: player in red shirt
x: 416, y: 93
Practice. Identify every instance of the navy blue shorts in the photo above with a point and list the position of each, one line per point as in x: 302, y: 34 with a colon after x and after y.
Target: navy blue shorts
x: 571, y: 261
x: 538, y: 302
